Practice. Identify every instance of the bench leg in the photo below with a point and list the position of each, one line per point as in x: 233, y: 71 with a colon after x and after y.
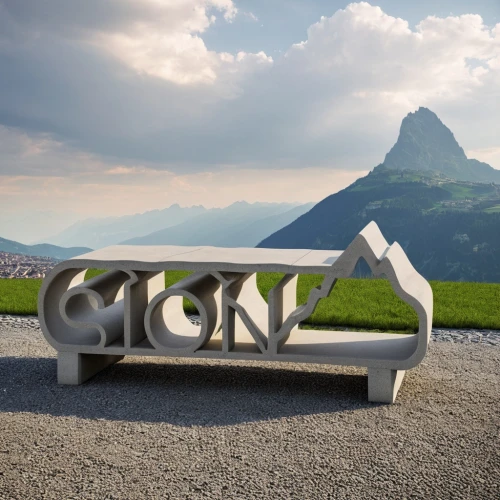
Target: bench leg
x: 74, y: 368
x: 384, y: 384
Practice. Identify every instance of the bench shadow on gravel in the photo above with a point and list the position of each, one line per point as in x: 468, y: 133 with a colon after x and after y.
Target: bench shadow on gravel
x: 179, y: 394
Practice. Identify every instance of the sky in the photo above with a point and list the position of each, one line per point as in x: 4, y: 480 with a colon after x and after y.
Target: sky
x: 119, y: 107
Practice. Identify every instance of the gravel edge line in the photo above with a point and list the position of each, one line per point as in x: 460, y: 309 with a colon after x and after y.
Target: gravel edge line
x: 456, y: 336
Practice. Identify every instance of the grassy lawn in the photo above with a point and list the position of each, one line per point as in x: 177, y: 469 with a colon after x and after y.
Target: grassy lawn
x: 367, y: 304
x: 19, y: 296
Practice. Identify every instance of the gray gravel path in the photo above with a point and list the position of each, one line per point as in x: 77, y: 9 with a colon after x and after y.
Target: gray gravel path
x: 172, y: 428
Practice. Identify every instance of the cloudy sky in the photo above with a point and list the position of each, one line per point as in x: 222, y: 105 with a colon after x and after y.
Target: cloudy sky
x: 122, y: 106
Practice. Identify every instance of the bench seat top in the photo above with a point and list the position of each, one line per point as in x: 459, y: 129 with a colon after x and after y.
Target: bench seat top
x: 226, y: 259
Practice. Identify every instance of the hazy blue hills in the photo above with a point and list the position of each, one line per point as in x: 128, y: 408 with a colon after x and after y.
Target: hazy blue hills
x: 42, y: 250
x: 241, y: 224
x: 448, y: 226
x: 101, y: 232
x: 425, y: 143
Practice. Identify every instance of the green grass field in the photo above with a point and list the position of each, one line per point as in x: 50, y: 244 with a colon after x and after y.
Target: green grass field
x: 368, y: 304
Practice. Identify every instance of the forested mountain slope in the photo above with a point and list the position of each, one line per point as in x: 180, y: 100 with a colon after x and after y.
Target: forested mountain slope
x: 449, y: 226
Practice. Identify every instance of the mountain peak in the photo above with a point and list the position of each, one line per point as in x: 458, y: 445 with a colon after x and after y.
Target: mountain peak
x: 424, y: 143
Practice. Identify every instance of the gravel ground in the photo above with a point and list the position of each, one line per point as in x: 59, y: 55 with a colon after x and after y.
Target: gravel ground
x: 172, y: 428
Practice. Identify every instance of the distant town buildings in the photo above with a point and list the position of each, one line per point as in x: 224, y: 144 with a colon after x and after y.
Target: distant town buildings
x: 467, y: 204
x: 14, y: 265
x: 374, y: 205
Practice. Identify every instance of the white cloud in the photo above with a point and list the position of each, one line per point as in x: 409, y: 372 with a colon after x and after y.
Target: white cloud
x: 159, y: 38
x: 165, y: 40
x: 122, y: 170
x: 177, y: 57
x: 251, y: 16
x: 39, y: 155
x: 364, y: 60
x: 136, y: 83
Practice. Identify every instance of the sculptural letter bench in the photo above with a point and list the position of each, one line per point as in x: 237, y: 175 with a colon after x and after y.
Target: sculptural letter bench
x: 128, y: 311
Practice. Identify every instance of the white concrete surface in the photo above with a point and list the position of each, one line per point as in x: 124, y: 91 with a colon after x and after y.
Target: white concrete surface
x: 127, y: 311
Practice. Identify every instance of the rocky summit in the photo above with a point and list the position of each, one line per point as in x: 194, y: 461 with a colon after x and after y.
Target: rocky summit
x: 425, y: 143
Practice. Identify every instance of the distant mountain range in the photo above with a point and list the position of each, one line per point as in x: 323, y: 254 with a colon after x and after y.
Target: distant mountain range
x: 101, y: 232
x: 42, y: 250
x: 443, y: 208
x: 241, y: 224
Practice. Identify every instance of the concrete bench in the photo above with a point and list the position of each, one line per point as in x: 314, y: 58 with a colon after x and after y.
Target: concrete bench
x: 128, y: 311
